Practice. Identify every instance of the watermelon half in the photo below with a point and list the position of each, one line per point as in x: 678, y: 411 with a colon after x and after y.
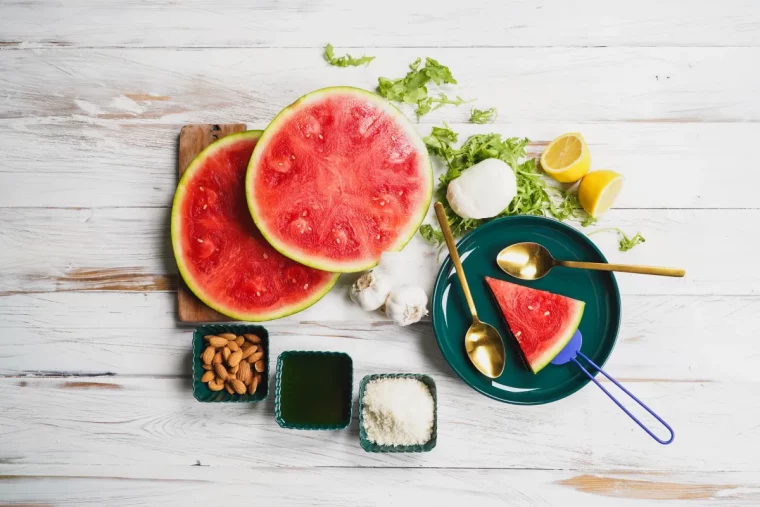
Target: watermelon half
x: 339, y: 177
x: 221, y: 255
x: 541, y: 322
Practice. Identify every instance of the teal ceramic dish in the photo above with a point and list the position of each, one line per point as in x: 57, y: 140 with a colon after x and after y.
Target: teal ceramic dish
x: 478, y: 250
x: 373, y: 447
x: 314, y: 390
x: 201, y: 392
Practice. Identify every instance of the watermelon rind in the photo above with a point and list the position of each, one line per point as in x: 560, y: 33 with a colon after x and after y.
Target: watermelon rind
x: 570, y: 329
x: 176, y: 227
x: 302, y: 256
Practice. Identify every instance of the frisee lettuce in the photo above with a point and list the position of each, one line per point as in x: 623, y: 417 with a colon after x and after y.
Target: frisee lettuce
x: 625, y: 242
x: 413, y: 88
x: 345, y: 61
x: 534, y: 195
x: 483, y: 115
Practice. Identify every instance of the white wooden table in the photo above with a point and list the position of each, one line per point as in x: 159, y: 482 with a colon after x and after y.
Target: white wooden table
x: 95, y: 401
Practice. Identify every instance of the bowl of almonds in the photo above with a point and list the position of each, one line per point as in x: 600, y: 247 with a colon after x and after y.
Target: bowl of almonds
x: 230, y: 363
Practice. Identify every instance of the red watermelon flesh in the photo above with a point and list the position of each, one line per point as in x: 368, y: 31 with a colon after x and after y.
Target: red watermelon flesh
x: 541, y: 322
x: 338, y: 178
x: 220, y: 253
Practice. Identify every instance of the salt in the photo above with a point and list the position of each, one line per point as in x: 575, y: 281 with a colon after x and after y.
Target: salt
x: 398, y: 411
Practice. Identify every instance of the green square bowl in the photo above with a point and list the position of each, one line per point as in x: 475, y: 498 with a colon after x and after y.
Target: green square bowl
x: 372, y: 447
x: 201, y: 392
x: 314, y: 390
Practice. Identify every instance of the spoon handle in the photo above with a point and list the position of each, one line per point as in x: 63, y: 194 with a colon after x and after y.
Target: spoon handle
x: 626, y: 268
x: 626, y: 391
x: 455, y: 256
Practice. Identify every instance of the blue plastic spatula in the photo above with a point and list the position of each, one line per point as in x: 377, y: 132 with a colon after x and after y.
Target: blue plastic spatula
x: 573, y: 349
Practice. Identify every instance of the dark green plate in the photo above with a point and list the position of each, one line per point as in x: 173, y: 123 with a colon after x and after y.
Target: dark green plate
x: 478, y: 250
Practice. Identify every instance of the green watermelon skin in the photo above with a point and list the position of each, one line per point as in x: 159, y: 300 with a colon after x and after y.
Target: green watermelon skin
x: 541, y: 322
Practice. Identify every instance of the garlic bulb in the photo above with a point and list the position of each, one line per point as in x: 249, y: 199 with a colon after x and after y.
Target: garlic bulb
x: 484, y: 190
x: 371, y: 289
x: 406, y: 305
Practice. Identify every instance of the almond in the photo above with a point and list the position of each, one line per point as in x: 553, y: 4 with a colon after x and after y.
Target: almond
x: 235, y: 358
x: 217, y: 341
x: 208, y: 376
x: 238, y: 386
x: 240, y: 341
x: 220, y: 381
x: 229, y: 388
x: 217, y: 358
x: 228, y: 336
x: 253, y: 385
x: 244, y: 372
x: 208, y: 337
x: 208, y: 355
x: 233, y: 346
x: 249, y: 350
x: 259, y: 365
x: 215, y: 386
x: 255, y: 357
x: 207, y: 367
x: 252, y: 338
x: 221, y: 371
x: 234, y: 369
x: 226, y: 353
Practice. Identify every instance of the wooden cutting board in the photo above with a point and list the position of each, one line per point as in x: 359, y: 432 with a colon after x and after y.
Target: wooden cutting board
x: 192, y: 140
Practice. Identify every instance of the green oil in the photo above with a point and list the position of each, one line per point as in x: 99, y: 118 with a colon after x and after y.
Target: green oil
x: 315, y: 389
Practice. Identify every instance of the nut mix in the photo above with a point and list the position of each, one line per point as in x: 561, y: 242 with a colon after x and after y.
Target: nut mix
x: 234, y: 363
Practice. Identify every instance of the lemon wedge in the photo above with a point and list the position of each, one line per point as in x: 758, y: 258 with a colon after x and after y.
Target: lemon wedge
x: 598, y: 191
x: 567, y: 158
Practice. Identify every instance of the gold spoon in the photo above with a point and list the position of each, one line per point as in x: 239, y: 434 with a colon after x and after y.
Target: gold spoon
x: 531, y: 261
x: 482, y: 342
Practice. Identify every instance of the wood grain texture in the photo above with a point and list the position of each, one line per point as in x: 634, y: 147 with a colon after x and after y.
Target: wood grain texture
x: 192, y: 140
x: 253, y: 85
x: 47, y: 249
x: 129, y: 333
x: 428, y: 23
x: 201, y: 484
x: 156, y: 420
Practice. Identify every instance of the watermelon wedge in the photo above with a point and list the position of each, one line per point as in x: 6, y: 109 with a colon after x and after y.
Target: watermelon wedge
x: 338, y: 178
x: 541, y: 322
x: 221, y: 255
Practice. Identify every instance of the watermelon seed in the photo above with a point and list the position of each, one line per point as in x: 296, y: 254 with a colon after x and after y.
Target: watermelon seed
x: 337, y: 240
x: 518, y: 334
x: 382, y: 203
x: 393, y: 138
x: 378, y: 236
x: 304, y: 213
x: 308, y: 135
x: 205, y: 206
x: 530, y: 307
x: 400, y: 192
x: 320, y: 136
x: 305, y: 286
x: 258, y: 293
x: 309, y: 228
x: 293, y: 157
x: 546, y: 313
x: 200, y: 240
x: 201, y: 189
x: 266, y: 256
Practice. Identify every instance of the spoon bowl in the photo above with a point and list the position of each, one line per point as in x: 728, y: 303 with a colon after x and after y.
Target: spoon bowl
x: 531, y: 261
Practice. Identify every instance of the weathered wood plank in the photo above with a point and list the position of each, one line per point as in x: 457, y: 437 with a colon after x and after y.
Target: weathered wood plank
x: 396, y: 23
x: 183, y: 485
x: 129, y: 249
x: 132, y: 162
x: 156, y: 421
x: 252, y: 85
x: 662, y: 338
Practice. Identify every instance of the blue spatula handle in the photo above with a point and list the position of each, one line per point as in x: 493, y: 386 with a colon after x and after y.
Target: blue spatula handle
x: 626, y: 391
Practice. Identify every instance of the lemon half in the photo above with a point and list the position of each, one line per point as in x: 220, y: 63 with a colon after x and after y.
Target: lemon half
x: 567, y: 158
x: 598, y: 191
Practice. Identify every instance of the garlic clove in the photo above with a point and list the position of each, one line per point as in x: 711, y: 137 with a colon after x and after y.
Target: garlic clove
x: 371, y: 290
x: 406, y: 305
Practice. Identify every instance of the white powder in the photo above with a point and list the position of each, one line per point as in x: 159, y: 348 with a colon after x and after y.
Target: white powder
x: 398, y: 411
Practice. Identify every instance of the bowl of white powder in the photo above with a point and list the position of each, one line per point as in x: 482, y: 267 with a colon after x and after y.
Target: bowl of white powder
x: 398, y: 412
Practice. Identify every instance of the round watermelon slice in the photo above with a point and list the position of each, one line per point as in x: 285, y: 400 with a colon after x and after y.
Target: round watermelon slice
x: 541, y: 322
x: 338, y: 178
x: 221, y: 255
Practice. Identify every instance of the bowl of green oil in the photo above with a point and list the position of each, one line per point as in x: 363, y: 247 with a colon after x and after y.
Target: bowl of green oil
x: 314, y: 390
